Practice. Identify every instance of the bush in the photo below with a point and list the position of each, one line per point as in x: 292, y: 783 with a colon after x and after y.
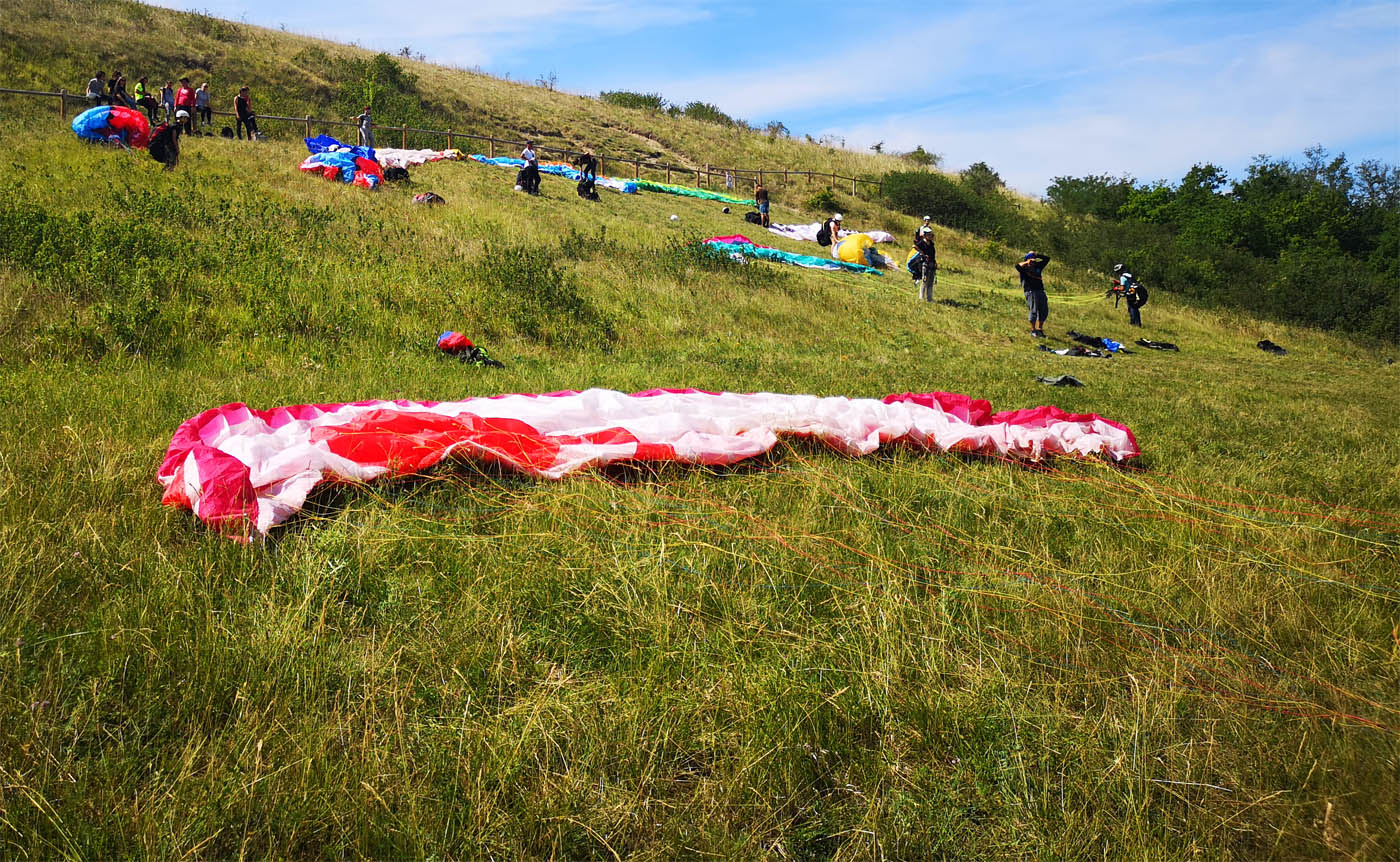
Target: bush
x: 627, y: 99
x: 707, y: 113
x: 823, y: 201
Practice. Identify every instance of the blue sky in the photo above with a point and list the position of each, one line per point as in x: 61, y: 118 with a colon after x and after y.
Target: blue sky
x: 1037, y: 90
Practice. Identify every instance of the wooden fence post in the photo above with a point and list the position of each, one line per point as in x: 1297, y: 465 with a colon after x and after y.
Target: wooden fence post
x: 832, y: 185
x: 637, y: 169
x: 449, y: 139
x: 697, y: 178
x: 668, y: 173
x: 853, y: 186
x: 603, y: 165
x: 62, y: 104
x: 403, y: 139
x: 308, y: 125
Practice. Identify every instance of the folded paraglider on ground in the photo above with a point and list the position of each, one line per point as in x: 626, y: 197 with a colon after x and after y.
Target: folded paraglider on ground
x: 336, y: 161
x: 243, y: 471
x: 742, y: 247
x: 113, y: 124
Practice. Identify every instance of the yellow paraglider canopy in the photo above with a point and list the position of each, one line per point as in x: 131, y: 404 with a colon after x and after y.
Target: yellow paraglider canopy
x: 852, y: 249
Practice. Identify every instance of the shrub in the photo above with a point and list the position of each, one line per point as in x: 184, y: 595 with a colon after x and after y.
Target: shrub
x: 823, y: 201
x: 708, y: 113
x: 627, y: 99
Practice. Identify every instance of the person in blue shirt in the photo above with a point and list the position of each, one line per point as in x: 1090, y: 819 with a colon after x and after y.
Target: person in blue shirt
x: 1032, y: 282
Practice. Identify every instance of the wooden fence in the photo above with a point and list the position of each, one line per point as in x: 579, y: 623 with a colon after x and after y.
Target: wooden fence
x: 703, y: 177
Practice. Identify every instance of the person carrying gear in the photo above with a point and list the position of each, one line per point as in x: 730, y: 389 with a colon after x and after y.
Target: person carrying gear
x: 1030, y: 269
x: 1126, y: 286
x: 923, y: 265
x: 830, y: 232
x: 530, y: 174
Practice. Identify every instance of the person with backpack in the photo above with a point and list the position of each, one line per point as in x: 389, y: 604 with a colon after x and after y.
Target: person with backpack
x: 144, y: 99
x: 243, y: 114
x: 1126, y: 286
x: 530, y: 174
x: 587, y: 165
x: 924, y: 264
x: 760, y: 197
x: 1030, y: 269
x: 830, y: 231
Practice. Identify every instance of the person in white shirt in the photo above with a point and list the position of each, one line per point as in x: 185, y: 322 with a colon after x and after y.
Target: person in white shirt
x: 530, y: 174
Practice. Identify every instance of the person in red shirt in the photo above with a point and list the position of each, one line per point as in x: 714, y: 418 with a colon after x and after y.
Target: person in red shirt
x: 184, y: 101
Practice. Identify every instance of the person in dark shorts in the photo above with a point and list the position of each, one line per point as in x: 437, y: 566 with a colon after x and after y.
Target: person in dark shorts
x: 1030, y: 269
x: 760, y: 197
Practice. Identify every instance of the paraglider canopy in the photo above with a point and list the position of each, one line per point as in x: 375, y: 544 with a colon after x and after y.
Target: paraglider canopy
x: 113, y: 124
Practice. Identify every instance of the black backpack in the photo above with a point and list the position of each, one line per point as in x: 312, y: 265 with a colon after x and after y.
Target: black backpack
x: 165, y: 145
x: 753, y: 218
x: 1137, y: 295
x: 394, y: 175
x: 824, y: 235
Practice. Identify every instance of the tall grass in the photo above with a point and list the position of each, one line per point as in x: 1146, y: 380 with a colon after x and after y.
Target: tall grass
x: 812, y: 656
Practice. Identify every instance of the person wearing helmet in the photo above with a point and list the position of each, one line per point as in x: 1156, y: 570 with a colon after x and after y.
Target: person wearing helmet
x: 924, y: 264
x: 1126, y: 286
x: 830, y: 232
x: 1030, y: 269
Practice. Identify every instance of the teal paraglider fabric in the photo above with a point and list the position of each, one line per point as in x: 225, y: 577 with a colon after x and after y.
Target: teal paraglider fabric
x: 742, y: 245
x: 687, y: 191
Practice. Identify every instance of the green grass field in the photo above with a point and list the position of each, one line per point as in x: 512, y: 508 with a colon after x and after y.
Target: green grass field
x: 905, y: 656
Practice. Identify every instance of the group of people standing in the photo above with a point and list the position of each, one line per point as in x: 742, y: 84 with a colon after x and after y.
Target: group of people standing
x: 186, y: 107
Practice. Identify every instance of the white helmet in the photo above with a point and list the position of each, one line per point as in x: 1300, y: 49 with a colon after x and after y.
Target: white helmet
x: 836, y: 217
x: 1118, y: 267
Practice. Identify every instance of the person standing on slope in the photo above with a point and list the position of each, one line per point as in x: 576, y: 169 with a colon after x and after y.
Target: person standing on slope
x: 1126, y: 286
x: 530, y: 174
x: 1030, y: 269
x: 243, y: 114
x: 201, y: 106
x: 366, y: 127
x: 184, y: 101
x: 924, y: 264
x: 167, y: 101
x: 760, y: 198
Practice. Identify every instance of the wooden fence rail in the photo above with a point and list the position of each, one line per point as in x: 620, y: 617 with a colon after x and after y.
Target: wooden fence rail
x: 703, y: 176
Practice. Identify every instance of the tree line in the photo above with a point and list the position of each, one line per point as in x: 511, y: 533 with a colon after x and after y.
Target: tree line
x: 1315, y: 242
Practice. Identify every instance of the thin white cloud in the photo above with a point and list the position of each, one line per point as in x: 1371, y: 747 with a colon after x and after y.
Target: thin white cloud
x: 1157, y: 120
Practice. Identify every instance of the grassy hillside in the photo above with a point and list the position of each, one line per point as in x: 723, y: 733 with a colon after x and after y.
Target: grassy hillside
x: 48, y: 44
x: 813, y: 657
